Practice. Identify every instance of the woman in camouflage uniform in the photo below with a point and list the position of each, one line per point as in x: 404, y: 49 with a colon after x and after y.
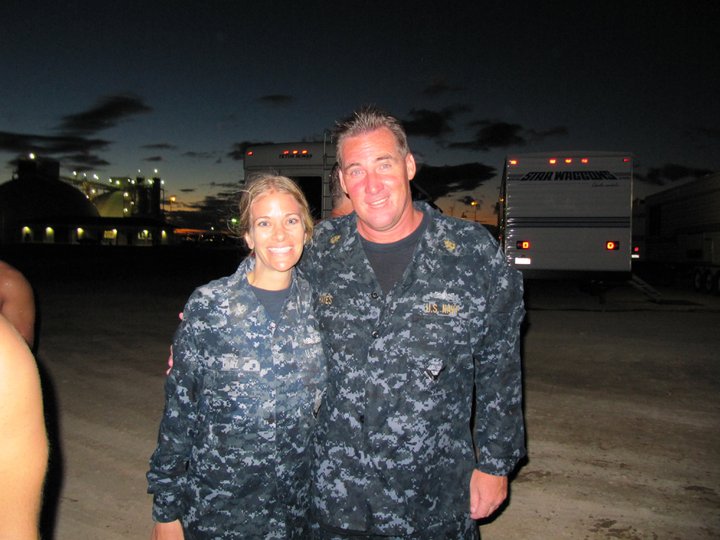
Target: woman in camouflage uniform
x: 245, y: 387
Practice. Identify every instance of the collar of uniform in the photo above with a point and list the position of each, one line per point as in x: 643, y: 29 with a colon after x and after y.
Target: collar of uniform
x: 240, y: 283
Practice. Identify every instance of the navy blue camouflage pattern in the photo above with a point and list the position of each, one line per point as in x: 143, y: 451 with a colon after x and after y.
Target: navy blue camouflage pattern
x: 241, y: 400
x: 395, y: 451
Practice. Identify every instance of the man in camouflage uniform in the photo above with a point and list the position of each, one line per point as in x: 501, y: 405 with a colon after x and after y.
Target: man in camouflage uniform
x: 416, y: 309
x: 242, y: 395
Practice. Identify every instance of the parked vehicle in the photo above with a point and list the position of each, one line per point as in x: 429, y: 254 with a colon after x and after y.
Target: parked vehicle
x: 310, y: 164
x: 679, y: 229
x: 568, y: 214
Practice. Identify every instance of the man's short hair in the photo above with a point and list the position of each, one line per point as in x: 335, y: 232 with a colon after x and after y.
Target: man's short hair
x: 365, y: 120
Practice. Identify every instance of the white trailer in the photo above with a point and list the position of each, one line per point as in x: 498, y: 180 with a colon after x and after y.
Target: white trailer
x: 568, y: 214
x: 682, y: 231
x: 310, y: 164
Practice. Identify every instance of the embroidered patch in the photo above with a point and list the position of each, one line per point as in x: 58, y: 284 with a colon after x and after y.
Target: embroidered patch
x: 450, y: 310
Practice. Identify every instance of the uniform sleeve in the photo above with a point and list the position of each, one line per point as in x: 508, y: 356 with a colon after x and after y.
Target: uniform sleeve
x: 500, y: 431
x: 168, y: 464
x: 308, y: 265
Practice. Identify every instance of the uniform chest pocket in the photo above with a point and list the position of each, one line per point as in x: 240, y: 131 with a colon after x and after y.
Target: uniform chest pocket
x: 437, y: 345
x: 437, y: 333
x: 237, y: 404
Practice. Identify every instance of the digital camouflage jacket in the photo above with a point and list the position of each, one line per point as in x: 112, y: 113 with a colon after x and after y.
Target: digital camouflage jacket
x: 241, y: 400
x: 395, y: 450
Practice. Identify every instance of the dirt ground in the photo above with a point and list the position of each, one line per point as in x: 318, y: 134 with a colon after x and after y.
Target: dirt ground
x: 621, y: 403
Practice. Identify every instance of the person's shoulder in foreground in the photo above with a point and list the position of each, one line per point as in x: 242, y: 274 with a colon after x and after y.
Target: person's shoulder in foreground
x: 23, y: 448
x: 17, y: 302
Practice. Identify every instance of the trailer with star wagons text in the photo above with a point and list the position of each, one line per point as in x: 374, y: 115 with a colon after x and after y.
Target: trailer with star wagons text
x: 568, y: 214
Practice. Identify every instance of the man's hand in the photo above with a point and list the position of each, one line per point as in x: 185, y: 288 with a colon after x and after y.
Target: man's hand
x: 170, y: 358
x: 487, y: 493
x: 170, y: 362
x: 168, y: 531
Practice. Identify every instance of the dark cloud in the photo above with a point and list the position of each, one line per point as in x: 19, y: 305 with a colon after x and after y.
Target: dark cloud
x: 703, y: 132
x: 76, y: 153
x: 276, y: 99
x: 539, y: 136
x: 713, y: 133
x: 669, y: 173
x: 199, y: 155
x: 230, y: 185
x: 49, y: 145
x: 440, y: 181
x: 439, y: 88
x: 107, y: 113
x: 188, y: 190
x: 497, y: 134
x: 73, y: 146
x: 20, y: 143
x: 153, y: 158
x: 432, y: 124
x: 83, y: 162
x: 159, y: 146
x: 424, y: 123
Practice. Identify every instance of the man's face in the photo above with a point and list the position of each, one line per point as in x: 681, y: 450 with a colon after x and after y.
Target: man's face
x: 377, y: 177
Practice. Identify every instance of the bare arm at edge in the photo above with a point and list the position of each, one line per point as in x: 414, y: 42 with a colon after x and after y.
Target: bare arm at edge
x: 17, y: 302
x: 23, y: 446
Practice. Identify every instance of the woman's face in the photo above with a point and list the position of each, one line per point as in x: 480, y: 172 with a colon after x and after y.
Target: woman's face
x: 277, y: 237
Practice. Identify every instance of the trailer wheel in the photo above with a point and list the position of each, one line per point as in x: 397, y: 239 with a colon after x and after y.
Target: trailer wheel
x: 699, y: 280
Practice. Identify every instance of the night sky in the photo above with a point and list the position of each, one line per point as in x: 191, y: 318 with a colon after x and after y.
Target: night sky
x: 114, y: 87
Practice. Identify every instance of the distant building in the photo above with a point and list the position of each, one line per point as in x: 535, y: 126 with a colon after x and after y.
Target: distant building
x: 38, y: 206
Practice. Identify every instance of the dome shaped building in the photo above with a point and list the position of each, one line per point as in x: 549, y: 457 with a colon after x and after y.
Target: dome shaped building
x: 38, y: 196
x: 37, y: 206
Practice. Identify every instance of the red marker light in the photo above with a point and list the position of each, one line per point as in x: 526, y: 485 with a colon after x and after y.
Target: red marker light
x: 304, y: 152
x: 286, y: 152
x: 513, y: 162
x: 552, y: 161
x: 568, y: 160
x: 522, y: 244
x: 584, y: 161
x: 250, y: 153
x: 612, y: 245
